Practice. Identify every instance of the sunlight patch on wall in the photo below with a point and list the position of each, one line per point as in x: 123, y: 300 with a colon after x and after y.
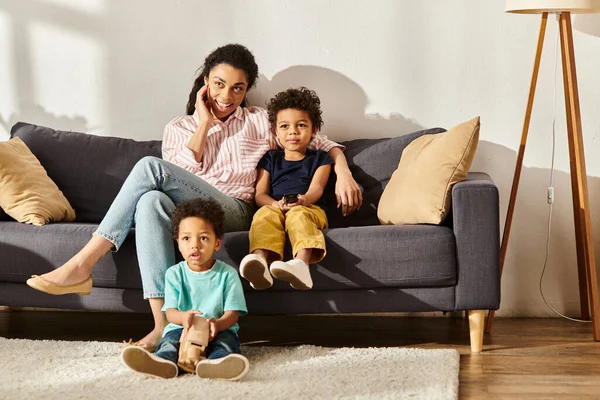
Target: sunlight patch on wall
x: 92, y: 7
x: 7, y: 99
x: 69, y: 74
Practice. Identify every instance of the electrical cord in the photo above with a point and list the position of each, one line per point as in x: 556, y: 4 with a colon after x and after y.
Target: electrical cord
x: 551, y: 187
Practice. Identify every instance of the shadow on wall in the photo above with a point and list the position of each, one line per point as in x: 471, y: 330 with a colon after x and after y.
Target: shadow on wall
x: 343, y: 103
x: 36, y: 114
x: 587, y: 23
x: 527, y: 244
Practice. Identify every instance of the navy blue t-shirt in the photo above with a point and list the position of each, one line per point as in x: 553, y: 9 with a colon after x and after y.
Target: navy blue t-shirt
x: 292, y: 176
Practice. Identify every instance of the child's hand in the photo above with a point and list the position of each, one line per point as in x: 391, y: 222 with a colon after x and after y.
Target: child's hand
x: 213, y: 328
x: 285, y: 207
x: 299, y: 202
x: 188, y: 317
x: 186, y: 321
x: 280, y: 204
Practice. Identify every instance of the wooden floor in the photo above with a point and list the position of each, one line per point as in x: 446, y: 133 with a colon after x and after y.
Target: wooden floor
x: 522, y: 358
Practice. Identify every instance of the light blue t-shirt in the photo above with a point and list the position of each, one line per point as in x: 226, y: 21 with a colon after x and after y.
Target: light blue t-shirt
x: 213, y: 292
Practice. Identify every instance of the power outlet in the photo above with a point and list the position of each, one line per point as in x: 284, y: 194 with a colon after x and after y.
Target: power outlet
x: 550, y: 195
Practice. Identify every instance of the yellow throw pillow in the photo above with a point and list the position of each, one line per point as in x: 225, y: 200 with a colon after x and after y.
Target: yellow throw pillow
x: 27, y: 193
x: 419, y: 191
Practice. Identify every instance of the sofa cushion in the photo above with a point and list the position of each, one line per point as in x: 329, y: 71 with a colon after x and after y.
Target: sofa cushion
x: 372, y: 163
x: 28, y: 194
x: 419, y: 191
x: 399, y: 256
x: 371, y: 257
x: 95, y: 169
x: 29, y: 250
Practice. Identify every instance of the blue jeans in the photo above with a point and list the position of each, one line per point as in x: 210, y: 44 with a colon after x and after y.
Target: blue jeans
x: 225, y: 343
x: 147, y: 198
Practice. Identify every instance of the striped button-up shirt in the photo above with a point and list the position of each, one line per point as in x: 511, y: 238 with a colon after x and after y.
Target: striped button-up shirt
x: 232, y: 151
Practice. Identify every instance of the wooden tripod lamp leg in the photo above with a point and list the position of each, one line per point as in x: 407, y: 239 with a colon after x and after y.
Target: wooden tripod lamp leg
x: 519, y: 165
x: 583, y: 227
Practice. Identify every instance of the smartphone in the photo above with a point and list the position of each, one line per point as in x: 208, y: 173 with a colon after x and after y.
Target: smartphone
x: 290, y: 198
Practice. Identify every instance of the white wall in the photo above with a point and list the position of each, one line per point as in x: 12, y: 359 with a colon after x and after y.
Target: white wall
x: 125, y: 68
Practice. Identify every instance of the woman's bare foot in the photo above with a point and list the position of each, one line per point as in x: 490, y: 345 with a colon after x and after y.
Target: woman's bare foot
x: 151, y: 340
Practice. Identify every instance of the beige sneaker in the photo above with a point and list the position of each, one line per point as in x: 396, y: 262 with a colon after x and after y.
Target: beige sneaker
x: 231, y: 368
x: 147, y: 363
x: 254, y: 269
x: 295, y: 272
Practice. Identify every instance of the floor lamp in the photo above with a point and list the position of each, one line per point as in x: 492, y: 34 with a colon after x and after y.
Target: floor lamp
x: 583, y: 230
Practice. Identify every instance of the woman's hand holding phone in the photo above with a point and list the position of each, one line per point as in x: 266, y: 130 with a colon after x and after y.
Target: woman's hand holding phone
x: 202, y: 106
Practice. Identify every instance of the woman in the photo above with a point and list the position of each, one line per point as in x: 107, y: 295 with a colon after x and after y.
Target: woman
x: 213, y: 152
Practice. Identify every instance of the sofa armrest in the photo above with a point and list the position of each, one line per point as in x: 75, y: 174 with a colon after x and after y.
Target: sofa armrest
x: 476, y: 226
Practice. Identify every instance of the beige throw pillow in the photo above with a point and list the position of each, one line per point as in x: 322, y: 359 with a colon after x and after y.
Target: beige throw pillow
x: 419, y: 191
x: 26, y: 191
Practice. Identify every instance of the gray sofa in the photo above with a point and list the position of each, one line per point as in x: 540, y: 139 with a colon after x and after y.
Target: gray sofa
x: 368, y: 268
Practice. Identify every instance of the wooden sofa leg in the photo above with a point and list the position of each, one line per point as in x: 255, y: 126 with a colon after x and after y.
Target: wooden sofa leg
x: 476, y: 324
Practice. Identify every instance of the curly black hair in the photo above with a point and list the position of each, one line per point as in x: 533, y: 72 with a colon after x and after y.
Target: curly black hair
x: 234, y: 54
x: 302, y: 99
x: 201, y: 207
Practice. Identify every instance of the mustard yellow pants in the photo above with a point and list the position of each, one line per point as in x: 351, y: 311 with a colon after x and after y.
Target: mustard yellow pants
x: 302, y: 224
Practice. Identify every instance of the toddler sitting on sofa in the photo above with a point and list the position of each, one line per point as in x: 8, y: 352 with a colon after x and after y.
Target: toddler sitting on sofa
x: 289, y: 188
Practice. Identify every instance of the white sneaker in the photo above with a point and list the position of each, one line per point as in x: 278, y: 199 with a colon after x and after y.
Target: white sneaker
x: 231, y: 368
x: 295, y: 272
x: 254, y: 269
x: 146, y: 363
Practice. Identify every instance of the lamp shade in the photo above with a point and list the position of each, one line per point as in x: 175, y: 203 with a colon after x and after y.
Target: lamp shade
x: 552, y: 6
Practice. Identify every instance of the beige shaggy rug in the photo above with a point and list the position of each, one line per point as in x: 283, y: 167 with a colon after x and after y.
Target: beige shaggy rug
x: 46, y: 369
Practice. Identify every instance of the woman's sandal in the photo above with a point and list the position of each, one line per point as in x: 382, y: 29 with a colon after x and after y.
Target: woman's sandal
x: 82, y: 288
x: 150, y: 349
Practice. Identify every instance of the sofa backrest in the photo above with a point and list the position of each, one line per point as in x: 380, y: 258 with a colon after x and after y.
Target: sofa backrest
x: 372, y: 163
x: 91, y: 169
